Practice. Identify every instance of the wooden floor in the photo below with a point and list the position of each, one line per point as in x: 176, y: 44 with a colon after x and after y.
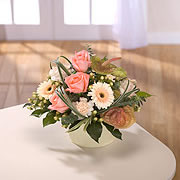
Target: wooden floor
x: 156, y: 68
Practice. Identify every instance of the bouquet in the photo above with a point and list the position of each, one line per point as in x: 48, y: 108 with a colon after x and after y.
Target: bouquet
x: 89, y: 91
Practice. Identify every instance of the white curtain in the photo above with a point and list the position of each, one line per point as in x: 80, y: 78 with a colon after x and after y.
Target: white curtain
x: 129, y: 27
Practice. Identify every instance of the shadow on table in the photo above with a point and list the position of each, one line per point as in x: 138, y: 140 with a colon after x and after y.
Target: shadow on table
x: 100, y: 162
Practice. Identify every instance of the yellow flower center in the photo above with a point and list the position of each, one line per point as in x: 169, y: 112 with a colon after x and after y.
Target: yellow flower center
x: 102, y: 95
x: 49, y: 89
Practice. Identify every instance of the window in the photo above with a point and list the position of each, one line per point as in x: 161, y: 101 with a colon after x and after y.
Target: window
x: 85, y: 12
x: 5, y: 12
x: 103, y: 12
x: 20, y: 12
x: 76, y: 12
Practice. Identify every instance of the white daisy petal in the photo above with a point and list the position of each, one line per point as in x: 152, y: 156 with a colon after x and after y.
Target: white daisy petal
x: 102, y: 95
x: 46, y: 89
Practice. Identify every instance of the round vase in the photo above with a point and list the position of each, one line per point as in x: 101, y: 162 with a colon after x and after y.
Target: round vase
x: 81, y: 138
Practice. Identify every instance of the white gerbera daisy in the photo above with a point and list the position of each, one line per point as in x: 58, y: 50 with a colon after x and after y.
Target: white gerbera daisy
x: 84, y: 107
x: 46, y: 89
x: 102, y: 95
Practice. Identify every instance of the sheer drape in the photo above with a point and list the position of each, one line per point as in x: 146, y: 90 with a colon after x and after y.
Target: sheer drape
x: 129, y: 27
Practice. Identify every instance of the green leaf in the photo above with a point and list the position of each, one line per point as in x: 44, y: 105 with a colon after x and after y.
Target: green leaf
x: 70, y: 119
x: 87, y: 123
x: 120, y: 97
x: 143, y: 94
x: 59, y: 64
x: 105, y: 58
x: 119, y: 72
x: 97, y: 66
x: 89, y: 49
x: 116, y: 85
x: 116, y: 93
x: 122, y: 104
x: 27, y: 104
x: 68, y: 102
x: 95, y: 130
x: 73, y: 97
x: 67, y: 60
x: 115, y: 132
x: 39, y: 112
x: 49, y: 119
x: 75, y: 125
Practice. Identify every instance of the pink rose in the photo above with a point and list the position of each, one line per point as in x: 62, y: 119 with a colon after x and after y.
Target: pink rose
x: 57, y: 104
x: 81, y: 61
x: 77, y: 83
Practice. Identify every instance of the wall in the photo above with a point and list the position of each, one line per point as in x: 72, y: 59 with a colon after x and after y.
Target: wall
x: 163, y: 21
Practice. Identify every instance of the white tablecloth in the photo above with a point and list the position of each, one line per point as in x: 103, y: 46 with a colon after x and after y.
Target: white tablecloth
x: 30, y: 152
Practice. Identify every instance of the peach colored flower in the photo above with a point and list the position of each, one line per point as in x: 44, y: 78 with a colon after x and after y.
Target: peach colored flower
x: 46, y: 89
x: 77, y: 83
x: 81, y: 61
x: 120, y: 118
x: 102, y: 95
x: 57, y: 104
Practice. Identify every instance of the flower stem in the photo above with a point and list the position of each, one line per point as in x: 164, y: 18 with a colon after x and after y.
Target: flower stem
x: 77, y: 125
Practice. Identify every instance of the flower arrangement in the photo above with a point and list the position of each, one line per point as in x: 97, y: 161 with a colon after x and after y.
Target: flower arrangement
x: 87, y: 91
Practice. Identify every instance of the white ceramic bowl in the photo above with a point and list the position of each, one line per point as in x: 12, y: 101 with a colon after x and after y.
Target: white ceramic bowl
x: 81, y: 138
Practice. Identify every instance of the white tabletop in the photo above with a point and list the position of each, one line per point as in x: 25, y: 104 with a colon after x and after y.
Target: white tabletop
x: 30, y: 152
